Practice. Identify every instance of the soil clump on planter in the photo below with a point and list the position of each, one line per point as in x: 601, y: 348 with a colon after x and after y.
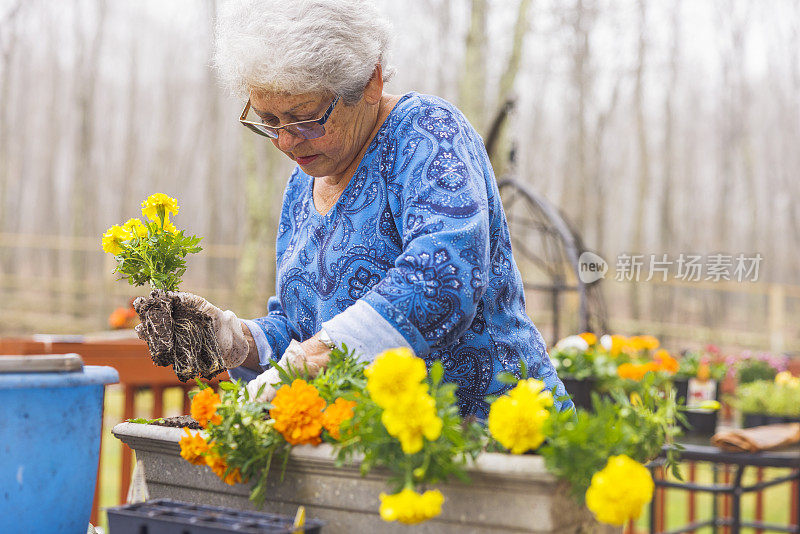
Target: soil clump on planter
x: 179, y: 421
x: 178, y: 335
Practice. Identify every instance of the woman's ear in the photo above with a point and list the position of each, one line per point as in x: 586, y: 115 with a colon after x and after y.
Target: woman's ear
x: 374, y: 89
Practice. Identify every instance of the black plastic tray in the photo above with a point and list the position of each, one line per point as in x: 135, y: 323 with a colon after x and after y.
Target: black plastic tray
x: 165, y: 516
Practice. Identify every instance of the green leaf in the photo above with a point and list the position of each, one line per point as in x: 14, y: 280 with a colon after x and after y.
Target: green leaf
x: 437, y: 372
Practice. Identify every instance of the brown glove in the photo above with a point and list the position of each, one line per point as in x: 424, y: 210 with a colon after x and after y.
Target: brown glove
x: 760, y: 438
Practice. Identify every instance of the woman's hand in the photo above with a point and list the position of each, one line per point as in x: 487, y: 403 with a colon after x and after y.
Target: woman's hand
x: 311, y: 354
x: 317, y: 354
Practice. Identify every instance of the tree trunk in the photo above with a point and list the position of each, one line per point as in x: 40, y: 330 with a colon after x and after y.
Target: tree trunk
x: 501, y: 149
x: 472, y: 91
x: 643, y: 173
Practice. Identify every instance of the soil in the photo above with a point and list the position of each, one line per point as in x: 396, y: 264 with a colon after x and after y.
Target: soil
x: 179, y: 422
x: 178, y: 335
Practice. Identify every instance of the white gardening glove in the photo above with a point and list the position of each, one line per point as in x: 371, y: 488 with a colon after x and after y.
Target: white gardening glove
x: 233, y: 345
x: 295, y: 359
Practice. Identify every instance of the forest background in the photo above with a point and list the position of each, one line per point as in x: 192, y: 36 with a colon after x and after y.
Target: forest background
x: 656, y: 127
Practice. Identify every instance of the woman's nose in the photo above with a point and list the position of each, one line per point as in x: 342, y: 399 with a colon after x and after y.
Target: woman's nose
x: 287, y: 141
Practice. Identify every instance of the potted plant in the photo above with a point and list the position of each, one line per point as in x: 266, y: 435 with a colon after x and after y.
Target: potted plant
x: 697, y: 383
x: 582, y: 364
x: 765, y: 402
x: 397, y: 424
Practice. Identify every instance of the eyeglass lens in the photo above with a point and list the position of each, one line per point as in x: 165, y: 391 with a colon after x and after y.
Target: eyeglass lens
x: 310, y: 130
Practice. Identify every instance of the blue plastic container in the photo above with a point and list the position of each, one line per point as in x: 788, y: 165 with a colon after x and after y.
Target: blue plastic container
x: 50, y: 424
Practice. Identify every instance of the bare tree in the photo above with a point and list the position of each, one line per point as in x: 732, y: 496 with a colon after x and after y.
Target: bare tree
x: 472, y: 87
x: 84, y: 190
x: 642, y: 183
x: 497, y: 138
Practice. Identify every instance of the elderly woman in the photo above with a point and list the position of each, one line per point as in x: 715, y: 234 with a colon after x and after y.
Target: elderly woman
x: 391, y: 233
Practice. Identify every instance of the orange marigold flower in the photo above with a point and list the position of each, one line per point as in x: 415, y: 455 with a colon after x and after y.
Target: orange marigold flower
x: 633, y: 371
x: 297, y: 411
x: 192, y: 447
x: 703, y: 372
x: 219, y: 466
x: 204, y: 408
x: 335, y: 414
x: 666, y: 362
x: 589, y: 338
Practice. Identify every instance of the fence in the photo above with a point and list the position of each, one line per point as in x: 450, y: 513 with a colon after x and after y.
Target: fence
x: 735, y: 316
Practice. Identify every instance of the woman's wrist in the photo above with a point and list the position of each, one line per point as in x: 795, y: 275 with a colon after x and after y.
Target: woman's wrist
x: 251, y: 361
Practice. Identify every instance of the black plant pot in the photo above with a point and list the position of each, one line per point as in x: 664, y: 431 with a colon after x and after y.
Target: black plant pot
x: 701, y: 422
x: 580, y: 391
x: 751, y: 420
x: 161, y: 516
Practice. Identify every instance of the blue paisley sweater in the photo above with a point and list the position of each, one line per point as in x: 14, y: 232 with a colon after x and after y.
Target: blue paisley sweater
x: 415, y: 253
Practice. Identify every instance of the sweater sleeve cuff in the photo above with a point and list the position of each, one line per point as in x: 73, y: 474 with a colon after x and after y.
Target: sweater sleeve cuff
x: 364, y: 330
x: 264, y: 354
x: 399, y: 321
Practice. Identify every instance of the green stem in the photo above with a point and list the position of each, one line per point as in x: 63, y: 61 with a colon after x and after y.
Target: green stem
x: 409, y: 475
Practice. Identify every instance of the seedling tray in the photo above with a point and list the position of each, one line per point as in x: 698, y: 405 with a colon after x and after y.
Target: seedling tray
x: 165, y: 516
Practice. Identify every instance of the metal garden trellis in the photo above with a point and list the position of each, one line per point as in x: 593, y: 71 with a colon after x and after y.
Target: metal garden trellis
x: 542, y: 237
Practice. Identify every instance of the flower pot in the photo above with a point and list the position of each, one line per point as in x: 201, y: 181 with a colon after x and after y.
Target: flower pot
x: 580, y: 390
x: 50, y: 441
x: 701, y: 422
x: 506, y: 493
x: 751, y: 420
x: 165, y: 515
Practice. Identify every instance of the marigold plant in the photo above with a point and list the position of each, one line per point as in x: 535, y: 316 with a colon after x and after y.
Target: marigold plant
x: 335, y: 414
x: 151, y: 252
x: 220, y: 468
x: 297, y: 411
x: 410, y: 507
x: 394, y: 374
x: 204, y: 407
x: 516, y: 420
x: 619, y: 491
x: 411, y: 418
x: 193, y: 447
x: 665, y: 362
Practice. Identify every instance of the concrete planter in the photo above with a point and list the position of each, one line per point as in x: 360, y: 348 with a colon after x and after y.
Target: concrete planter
x: 507, y: 493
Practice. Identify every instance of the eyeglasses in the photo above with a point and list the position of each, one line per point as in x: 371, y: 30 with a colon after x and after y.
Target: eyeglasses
x: 310, y: 129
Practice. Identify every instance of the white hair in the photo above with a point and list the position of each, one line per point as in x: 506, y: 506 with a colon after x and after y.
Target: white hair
x: 301, y: 46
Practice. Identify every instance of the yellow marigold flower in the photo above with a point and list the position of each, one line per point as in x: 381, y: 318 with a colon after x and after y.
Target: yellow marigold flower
x: 589, y: 338
x: 192, y: 447
x: 412, y: 417
x: 649, y: 342
x: 151, y: 205
x: 619, y: 491
x: 204, y: 408
x: 113, y: 239
x: 516, y: 419
x: 297, y: 411
x: 617, y: 344
x: 393, y: 373
x: 335, y: 414
x: 169, y: 227
x: 784, y: 378
x: 135, y: 228
x: 410, y: 507
x: 219, y: 466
